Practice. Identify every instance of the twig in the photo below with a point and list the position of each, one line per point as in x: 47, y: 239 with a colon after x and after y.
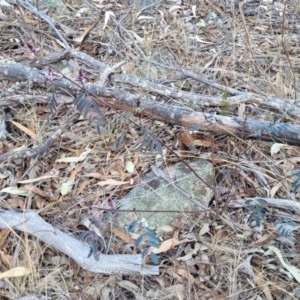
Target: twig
x: 250, y: 47
x: 18, y: 99
x: 137, y: 47
x: 26, y: 4
x: 286, y: 51
x: 13, y: 89
x: 108, y: 71
x: 32, y: 164
x: 49, y: 59
x: 41, y: 148
x: 191, y: 99
x: 197, y: 77
x: 189, y: 74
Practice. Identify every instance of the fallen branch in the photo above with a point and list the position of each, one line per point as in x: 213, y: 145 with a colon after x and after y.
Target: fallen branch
x: 34, y: 297
x: 282, y: 105
x: 286, y: 204
x: 189, y: 98
x: 184, y: 97
x: 32, y: 223
x: 44, y: 146
x: 123, y: 100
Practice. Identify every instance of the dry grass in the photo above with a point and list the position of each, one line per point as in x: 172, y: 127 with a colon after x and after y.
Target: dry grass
x: 236, y: 48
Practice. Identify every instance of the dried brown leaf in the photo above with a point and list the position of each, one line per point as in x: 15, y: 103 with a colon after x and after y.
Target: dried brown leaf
x: 263, y: 284
x: 94, y: 175
x: 83, y: 185
x: 266, y: 238
x: 40, y: 201
x: 168, y: 244
x: 86, y: 32
x: 118, y: 168
x: 75, y: 172
x: 36, y: 190
x: 24, y: 129
x: 3, y: 236
x: 6, y: 259
x: 123, y: 236
x: 111, y: 182
x: 185, y: 139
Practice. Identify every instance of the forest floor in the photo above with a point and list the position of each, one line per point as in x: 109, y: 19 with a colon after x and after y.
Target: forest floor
x: 245, y: 251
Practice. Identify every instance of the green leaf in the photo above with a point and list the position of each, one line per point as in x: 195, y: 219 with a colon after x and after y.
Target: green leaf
x: 252, y: 216
x: 288, y: 220
x: 133, y: 225
x: 82, y: 105
x: 152, y: 237
x: 98, y: 128
x: 154, y: 258
x: 201, y: 24
x: 153, y: 244
x: 84, y: 234
x: 257, y: 222
x: 262, y: 201
x: 90, y: 253
x: 139, y: 240
x: 149, y: 230
x: 248, y: 201
x: 145, y: 252
x: 295, y: 186
x: 260, y: 213
x: 86, y: 110
x: 120, y: 140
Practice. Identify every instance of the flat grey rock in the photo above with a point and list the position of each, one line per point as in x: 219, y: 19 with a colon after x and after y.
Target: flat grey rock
x: 140, y: 2
x: 153, y: 193
x: 58, y: 4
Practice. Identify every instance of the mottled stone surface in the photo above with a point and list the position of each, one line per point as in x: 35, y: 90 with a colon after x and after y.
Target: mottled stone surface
x: 139, y: 2
x: 57, y: 4
x: 153, y: 193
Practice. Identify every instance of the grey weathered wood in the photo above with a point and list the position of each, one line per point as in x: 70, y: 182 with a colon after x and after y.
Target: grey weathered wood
x: 76, y: 249
x: 120, y: 99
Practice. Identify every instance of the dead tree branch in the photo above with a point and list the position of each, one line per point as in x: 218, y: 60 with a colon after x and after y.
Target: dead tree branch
x: 123, y: 100
x: 33, y: 224
x: 41, y: 148
x: 196, y: 100
x: 290, y: 205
